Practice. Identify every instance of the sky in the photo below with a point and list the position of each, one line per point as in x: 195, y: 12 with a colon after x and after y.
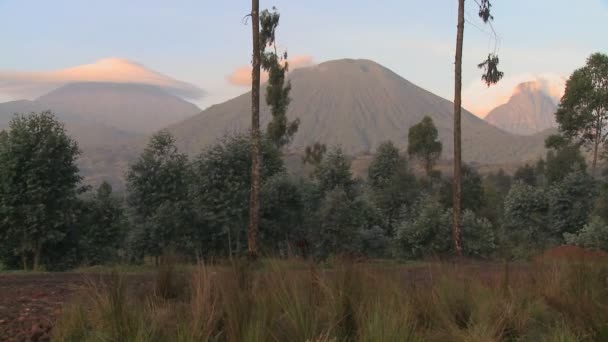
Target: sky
x: 204, y: 46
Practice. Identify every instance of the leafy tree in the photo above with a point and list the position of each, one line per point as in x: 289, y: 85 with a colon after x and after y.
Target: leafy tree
x: 314, y: 153
x: 593, y: 235
x: 103, y: 227
x: 570, y: 202
x: 334, y: 172
x: 340, y: 224
x: 526, y: 225
x: 583, y: 110
x: 472, y: 186
x: 526, y: 174
x: 562, y: 158
x: 39, y: 183
x: 283, y: 210
x: 157, y: 183
x: 425, y: 232
x: 279, y: 130
x: 391, y: 183
x: 495, y: 189
x: 423, y: 143
x: 221, y: 189
x: 491, y: 76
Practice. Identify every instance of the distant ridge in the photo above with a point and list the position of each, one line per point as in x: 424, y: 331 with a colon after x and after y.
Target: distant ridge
x: 528, y: 111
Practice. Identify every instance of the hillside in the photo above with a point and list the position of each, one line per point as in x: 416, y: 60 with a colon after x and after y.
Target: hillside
x: 528, y: 111
x: 359, y: 104
x: 130, y: 107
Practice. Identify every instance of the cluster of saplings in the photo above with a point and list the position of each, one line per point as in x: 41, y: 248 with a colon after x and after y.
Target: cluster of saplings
x: 199, y: 206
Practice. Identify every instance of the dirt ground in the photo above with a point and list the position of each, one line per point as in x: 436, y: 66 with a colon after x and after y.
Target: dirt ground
x: 29, y: 303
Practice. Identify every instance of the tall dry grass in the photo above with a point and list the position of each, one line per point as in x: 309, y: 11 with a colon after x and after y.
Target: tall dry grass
x: 298, y: 301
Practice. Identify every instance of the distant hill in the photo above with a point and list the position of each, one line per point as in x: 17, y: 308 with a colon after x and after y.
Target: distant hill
x: 529, y: 110
x: 109, y: 120
x: 359, y: 104
x: 130, y: 107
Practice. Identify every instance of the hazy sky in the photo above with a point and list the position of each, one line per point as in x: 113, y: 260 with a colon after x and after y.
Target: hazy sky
x: 203, y: 42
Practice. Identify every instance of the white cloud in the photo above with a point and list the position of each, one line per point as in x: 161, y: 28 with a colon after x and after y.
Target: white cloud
x: 28, y: 85
x: 241, y: 76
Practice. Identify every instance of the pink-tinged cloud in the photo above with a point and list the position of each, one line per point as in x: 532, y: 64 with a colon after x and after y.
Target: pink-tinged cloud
x: 480, y: 100
x: 241, y: 76
x: 19, y: 85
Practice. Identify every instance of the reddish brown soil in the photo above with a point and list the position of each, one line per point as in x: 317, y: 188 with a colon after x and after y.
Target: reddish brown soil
x: 29, y: 303
x: 571, y: 253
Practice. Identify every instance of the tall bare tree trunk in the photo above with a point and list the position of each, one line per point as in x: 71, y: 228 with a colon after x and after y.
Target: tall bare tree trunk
x: 457, y: 181
x: 254, y: 204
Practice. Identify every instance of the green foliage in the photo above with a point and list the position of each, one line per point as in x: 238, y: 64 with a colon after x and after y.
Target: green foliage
x: 334, y: 172
x: 279, y: 130
x: 583, y: 110
x: 340, y: 222
x: 563, y: 158
x: 472, y: 190
x: 525, y: 223
x: 392, y: 184
x: 221, y: 187
x: 426, y: 232
x: 39, y: 183
x: 282, y: 216
x: 526, y: 174
x: 423, y: 143
x: 571, y: 201
x: 103, y: 227
x: 495, y: 189
x: 593, y: 235
x: 491, y: 73
x: 157, y: 184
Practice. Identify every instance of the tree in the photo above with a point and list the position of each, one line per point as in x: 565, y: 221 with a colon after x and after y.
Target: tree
x: 220, y: 191
x: 526, y: 224
x: 282, y: 215
x: 39, y: 183
x: 491, y: 76
x: 334, y: 172
x: 279, y: 131
x: 571, y: 200
x: 423, y: 143
x: 472, y: 197
x: 254, y: 199
x: 526, y: 174
x: 158, y: 183
x: 103, y: 227
x: 391, y: 183
x: 583, y: 111
x: 593, y: 235
x: 562, y: 158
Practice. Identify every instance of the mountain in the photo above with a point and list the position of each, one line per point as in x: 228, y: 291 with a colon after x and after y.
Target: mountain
x: 358, y: 104
x: 529, y: 110
x: 108, y: 120
x: 131, y: 107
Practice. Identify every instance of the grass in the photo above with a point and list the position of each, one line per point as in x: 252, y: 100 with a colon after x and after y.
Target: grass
x: 296, y: 300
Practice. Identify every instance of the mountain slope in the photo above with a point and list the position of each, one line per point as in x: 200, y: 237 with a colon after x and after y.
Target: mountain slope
x: 528, y: 111
x: 130, y: 107
x: 358, y: 104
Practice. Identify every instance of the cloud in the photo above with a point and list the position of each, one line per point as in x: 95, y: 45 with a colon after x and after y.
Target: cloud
x: 241, y: 76
x: 480, y: 100
x: 19, y: 85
